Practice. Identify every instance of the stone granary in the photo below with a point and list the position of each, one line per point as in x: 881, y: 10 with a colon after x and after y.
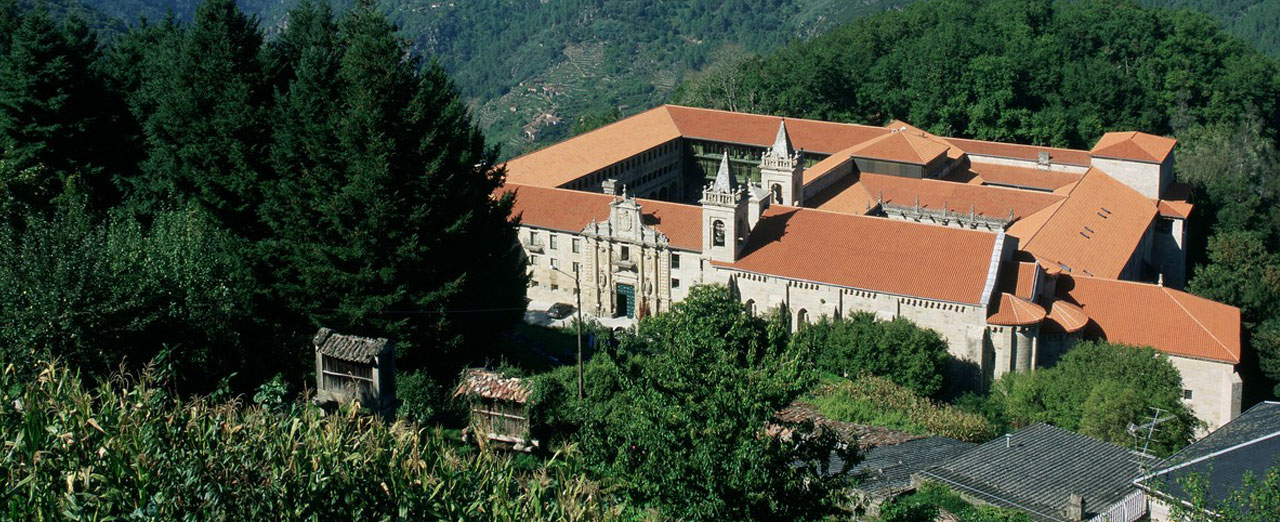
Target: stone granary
x: 499, y: 409
x: 351, y: 368
x: 1013, y: 253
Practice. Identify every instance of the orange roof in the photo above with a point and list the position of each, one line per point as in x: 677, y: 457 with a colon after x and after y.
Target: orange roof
x: 1023, y: 177
x: 1096, y: 229
x: 1176, y: 201
x: 1065, y: 317
x: 1015, y: 311
x: 572, y: 210
x: 581, y: 155
x: 1134, y: 145
x: 755, y: 129
x: 1021, y: 152
x: 997, y: 202
x: 902, y: 147
x: 882, y: 255
x: 1168, y: 320
x: 1018, y: 278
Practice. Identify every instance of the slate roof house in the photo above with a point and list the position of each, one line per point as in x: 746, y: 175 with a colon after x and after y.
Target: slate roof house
x: 886, y: 471
x: 1051, y: 474
x: 1250, y: 444
x: 1011, y: 252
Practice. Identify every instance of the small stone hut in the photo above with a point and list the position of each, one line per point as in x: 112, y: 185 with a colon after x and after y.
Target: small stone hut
x: 351, y: 368
x: 499, y: 409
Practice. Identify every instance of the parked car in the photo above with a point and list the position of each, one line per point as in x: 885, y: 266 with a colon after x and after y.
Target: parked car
x: 560, y: 310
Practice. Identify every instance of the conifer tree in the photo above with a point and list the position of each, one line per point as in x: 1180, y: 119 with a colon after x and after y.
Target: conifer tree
x: 54, y: 124
x: 382, y: 219
x: 206, y: 139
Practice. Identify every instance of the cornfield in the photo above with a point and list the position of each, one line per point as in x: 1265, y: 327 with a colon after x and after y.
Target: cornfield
x: 127, y: 449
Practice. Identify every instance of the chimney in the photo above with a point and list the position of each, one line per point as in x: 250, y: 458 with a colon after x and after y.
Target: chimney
x: 1042, y: 160
x: 1075, y: 508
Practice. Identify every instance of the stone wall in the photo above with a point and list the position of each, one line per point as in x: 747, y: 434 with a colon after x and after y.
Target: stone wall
x: 1215, y: 389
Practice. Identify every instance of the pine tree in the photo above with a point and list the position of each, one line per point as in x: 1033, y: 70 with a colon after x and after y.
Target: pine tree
x: 54, y: 128
x: 382, y: 219
x: 206, y: 138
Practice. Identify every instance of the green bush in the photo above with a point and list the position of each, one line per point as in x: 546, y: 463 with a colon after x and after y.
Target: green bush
x: 880, y: 402
x: 126, y: 448
x: 925, y: 504
x: 898, y: 350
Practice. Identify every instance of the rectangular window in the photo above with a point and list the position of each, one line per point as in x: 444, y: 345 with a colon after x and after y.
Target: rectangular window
x: 554, y: 287
x: 552, y: 245
x: 533, y: 237
x: 575, y: 267
x: 533, y: 259
x: 675, y: 283
x: 555, y: 263
x: 1186, y: 394
x: 626, y: 253
x: 577, y: 245
x: 675, y: 260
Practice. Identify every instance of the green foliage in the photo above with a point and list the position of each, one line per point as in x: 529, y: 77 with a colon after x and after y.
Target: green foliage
x: 898, y: 350
x: 1256, y: 500
x: 878, y: 401
x: 125, y: 448
x: 676, y: 417
x: 930, y: 498
x: 421, y: 397
x: 1097, y: 389
x: 1236, y: 170
x: 1044, y: 72
x: 96, y: 294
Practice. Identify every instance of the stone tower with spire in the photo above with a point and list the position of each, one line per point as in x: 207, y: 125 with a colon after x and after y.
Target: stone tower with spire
x: 724, y: 216
x: 782, y: 170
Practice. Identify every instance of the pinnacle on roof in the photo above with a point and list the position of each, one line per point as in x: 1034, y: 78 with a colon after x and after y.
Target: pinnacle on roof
x: 782, y: 143
x: 725, y: 181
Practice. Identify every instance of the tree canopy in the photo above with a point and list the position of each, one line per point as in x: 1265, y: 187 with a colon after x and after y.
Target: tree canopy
x: 898, y: 350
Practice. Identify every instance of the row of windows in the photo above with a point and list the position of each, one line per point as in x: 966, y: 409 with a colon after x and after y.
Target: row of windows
x: 553, y: 242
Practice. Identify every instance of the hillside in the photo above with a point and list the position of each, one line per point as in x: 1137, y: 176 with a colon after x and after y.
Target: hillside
x: 1254, y: 21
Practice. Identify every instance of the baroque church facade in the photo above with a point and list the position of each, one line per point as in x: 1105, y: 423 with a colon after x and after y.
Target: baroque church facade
x: 1012, y: 253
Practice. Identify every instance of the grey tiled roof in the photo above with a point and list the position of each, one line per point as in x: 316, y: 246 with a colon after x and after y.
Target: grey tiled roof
x: 1248, y: 444
x: 888, y: 469
x: 1037, y: 470
x: 348, y: 347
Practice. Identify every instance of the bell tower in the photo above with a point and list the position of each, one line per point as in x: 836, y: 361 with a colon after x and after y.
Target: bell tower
x: 782, y: 170
x: 724, y: 216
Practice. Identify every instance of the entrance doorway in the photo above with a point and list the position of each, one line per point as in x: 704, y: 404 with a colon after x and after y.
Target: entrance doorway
x: 626, y: 299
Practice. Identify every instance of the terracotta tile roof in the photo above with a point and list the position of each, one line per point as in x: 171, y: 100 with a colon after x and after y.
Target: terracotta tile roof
x: 953, y: 151
x: 490, y: 385
x: 1168, y: 320
x: 996, y: 202
x: 909, y: 259
x: 348, y: 347
x: 581, y: 155
x: 1021, y: 152
x: 754, y: 129
x: 1025, y: 177
x: 1134, y: 145
x: 827, y: 164
x: 1176, y: 201
x: 1018, y: 278
x: 571, y: 211
x: 846, y: 195
x: 1096, y: 229
x: 902, y: 147
x: 1015, y: 311
x: 1065, y: 317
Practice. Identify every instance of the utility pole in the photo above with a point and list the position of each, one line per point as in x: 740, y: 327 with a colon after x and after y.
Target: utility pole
x: 577, y: 290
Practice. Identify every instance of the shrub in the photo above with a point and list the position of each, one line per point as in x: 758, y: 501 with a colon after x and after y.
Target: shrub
x: 898, y: 350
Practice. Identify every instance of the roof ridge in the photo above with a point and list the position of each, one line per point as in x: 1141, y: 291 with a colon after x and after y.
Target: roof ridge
x: 1206, y: 329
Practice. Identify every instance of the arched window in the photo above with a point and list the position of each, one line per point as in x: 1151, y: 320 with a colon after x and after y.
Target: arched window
x: 717, y: 233
x: 802, y: 318
x: 777, y: 193
x: 751, y: 306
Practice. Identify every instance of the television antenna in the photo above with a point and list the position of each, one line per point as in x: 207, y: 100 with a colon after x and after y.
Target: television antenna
x: 1136, y: 431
